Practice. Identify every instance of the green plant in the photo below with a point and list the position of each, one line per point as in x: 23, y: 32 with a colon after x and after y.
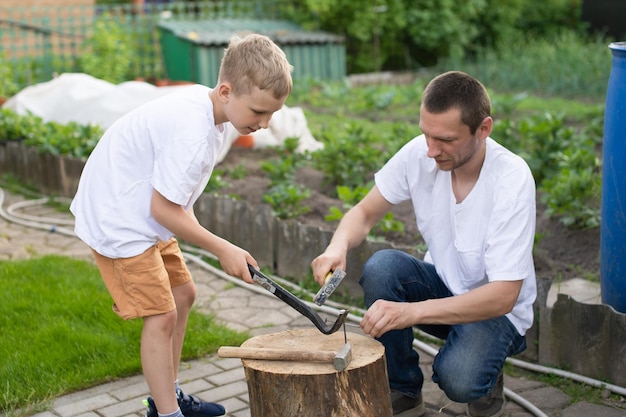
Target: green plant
x: 71, y: 139
x: 388, y: 224
x: 279, y: 171
x: 8, y: 86
x: 337, y: 158
x: 67, y: 139
x: 8, y: 122
x: 216, y: 182
x: 350, y: 197
x: 573, y: 195
x: 286, y: 200
x: 107, y: 53
x: 538, y: 139
x: 284, y: 169
x: 238, y: 172
x: 23, y: 128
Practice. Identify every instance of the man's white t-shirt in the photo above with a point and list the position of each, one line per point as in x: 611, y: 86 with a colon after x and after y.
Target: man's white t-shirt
x: 487, y: 237
x: 170, y: 144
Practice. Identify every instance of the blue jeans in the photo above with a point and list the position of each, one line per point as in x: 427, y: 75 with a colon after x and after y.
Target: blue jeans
x: 467, y: 366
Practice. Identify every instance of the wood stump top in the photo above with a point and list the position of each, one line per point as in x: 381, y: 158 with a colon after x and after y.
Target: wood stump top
x: 365, y: 350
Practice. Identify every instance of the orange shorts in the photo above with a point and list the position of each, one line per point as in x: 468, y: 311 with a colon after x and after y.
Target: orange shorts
x: 142, y: 285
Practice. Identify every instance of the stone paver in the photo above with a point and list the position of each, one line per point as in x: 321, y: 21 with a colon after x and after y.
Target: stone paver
x: 223, y: 380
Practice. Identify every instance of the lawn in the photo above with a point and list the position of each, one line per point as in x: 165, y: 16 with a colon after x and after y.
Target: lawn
x: 60, y: 335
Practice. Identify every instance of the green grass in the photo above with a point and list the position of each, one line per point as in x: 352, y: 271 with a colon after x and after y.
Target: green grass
x: 59, y: 333
x: 569, y: 65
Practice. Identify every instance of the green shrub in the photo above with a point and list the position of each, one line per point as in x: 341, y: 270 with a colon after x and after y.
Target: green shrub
x: 8, y: 87
x: 107, y: 53
x: 409, y: 34
x: 72, y: 139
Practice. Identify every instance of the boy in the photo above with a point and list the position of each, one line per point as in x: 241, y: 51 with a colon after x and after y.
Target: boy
x: 474, y: 203
x: 137, y: 192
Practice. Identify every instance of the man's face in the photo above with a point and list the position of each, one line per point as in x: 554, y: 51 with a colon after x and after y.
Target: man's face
x: 253, y: 111
x: 449, y: 140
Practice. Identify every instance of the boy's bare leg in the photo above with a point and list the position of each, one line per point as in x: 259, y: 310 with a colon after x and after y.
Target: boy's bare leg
x: 157, y: 359
x: 184, y: 296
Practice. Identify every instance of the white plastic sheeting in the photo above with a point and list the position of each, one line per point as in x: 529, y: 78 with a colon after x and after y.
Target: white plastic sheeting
x: 81, y: 98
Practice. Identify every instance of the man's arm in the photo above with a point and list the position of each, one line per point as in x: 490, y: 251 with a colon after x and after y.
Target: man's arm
x: 352, y: 230
x: 491, y: 300
x: 185, y: 226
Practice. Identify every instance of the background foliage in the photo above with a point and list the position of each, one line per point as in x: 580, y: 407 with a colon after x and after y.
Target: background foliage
x: 481, y: 37
x: 410, y: 34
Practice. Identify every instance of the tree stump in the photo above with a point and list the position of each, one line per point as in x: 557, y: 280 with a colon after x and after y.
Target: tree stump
x: 314, y: 389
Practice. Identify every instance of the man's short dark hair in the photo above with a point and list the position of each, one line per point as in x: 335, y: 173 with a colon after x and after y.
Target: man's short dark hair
x: 458, y: 89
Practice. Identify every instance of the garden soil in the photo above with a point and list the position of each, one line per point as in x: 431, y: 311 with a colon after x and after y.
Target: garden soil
x: 560, y: 253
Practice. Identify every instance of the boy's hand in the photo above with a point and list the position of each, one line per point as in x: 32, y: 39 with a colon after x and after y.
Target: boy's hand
x: 185, y: 226
x: 235, y: 260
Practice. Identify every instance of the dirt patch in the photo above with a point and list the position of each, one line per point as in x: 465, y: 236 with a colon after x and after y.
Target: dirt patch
x: 560, y: 253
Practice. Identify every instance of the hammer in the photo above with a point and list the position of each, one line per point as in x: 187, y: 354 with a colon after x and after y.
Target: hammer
x: 340, y: 359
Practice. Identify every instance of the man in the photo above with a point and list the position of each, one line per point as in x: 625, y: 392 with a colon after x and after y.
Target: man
x: 474, y: 203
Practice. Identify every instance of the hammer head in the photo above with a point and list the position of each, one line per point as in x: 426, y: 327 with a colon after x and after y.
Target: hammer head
x: 343, y: 357
x: 331, y: 283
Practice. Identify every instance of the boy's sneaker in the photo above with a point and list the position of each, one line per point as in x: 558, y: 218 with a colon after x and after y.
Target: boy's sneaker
x: 405, y: 406
x: 194, y: 407
x: 152, y: 410
x: 190, y: 406
x: 492, y: 404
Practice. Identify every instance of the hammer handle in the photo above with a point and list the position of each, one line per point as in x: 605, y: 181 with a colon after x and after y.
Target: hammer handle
x: 275, y: 354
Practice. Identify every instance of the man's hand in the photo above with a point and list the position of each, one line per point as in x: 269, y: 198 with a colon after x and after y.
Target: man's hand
x: 328, y: 261
x: 383, y: 316
x: 483, y: 303
x: 352, y: 230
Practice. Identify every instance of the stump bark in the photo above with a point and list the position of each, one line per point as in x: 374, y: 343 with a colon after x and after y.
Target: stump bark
x: 313, y: 389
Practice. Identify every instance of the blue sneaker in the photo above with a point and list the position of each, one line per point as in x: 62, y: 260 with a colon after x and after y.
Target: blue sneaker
x: 194, y: 407
x: 190, y: 406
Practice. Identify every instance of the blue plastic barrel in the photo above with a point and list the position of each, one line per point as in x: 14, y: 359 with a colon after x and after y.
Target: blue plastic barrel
x: 613, y: 225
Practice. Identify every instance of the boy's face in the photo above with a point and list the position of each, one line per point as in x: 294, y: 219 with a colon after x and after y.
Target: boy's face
x: 252, y: 111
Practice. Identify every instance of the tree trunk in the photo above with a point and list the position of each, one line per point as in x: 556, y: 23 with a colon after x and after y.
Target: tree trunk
x: 314, y: 389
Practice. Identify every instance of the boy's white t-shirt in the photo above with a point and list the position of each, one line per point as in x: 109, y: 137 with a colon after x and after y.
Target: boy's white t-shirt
x: 170, y: 144
x: 487, y: 237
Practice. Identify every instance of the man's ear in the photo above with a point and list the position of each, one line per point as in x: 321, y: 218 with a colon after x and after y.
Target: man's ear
x: 224, y: 90
x: 484, y: 130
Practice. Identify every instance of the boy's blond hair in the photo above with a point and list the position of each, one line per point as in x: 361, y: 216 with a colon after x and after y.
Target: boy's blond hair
x: 254, y: 60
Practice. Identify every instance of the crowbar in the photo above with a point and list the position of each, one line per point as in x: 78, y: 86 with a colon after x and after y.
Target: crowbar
x: 296, y: 303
